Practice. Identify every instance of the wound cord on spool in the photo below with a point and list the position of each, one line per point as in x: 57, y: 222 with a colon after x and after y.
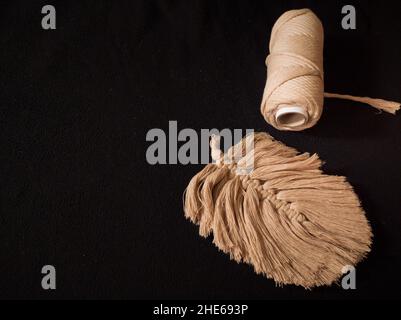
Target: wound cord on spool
x: 294, y: 92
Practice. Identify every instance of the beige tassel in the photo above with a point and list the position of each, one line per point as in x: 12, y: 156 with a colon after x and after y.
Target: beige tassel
x: 287, y: 218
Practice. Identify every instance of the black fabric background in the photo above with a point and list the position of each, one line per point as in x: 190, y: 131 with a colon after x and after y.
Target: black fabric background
x: 76, y: 104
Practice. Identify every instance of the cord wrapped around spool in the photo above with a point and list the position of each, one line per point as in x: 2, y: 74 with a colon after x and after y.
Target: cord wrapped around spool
x: 294, y: 92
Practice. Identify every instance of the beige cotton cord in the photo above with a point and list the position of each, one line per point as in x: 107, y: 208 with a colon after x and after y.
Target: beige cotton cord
x: 294, y: 92
x: 273, y: 217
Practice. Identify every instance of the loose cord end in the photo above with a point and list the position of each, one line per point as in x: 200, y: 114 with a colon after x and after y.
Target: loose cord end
x: 388, y: 106
x: 215, y: 151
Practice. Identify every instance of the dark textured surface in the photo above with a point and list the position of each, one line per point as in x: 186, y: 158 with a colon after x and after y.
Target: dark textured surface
x: 76, y: 104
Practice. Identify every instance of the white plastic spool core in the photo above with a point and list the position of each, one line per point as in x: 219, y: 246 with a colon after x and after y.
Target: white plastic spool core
x: 291, y: 116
